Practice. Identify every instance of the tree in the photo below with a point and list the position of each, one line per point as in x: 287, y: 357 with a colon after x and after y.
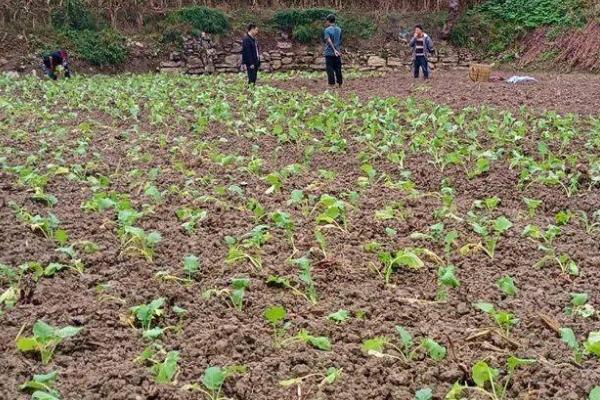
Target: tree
x: 453, y: 15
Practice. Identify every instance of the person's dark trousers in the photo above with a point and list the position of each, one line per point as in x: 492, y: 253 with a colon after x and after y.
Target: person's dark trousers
x: 421, y: 63
x: 252, y: 74
x: 333, y: 66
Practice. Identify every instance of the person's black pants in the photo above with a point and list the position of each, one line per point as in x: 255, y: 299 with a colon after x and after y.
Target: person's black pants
x: 421, y: 63
x: 252, y: 74
x: 333, y: 65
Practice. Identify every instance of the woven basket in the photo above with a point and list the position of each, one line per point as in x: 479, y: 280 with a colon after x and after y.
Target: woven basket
x: 480, y: 72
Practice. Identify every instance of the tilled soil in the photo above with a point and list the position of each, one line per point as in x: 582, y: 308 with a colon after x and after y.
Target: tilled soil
x: 566, y: 93
x: 99, y: 362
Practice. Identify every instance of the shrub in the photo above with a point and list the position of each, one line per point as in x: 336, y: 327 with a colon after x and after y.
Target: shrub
x: 294, y: 18
x: 307, y: 25
x: 496, y: 24
x: 74, y: 14
x: 358, y: 28
x: 307, y: 33
x: 106, y: 47
x: 204, y: 19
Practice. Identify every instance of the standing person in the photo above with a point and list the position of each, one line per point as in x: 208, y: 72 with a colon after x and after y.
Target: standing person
x: 333, y: 55
x: 422, y: 48
x: 51, y: 61
x: 251, y: 53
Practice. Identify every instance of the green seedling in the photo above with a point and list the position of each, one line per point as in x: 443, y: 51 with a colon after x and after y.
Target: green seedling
x: 305, y: 266
x: 446, y: 280
x: 145, y: 314
x: 137, y: 240
x: 487, y: 379
x: 490, y: 232
x: 257, y: 210
x: 505, y: 320
x: 190, y: 217
x: 424, y: 394
x: 304, y: 277
x: 339, y: 316
x: 213, y: 380
x: 318, y: 342
x: 275, y: 316
x: 532, y: 206
x: 592, y: 344
x: 507, y: 285
x: 47, y: 226
x: 591, y: 225
x: 164, y: 372
x: 567, y: 336
x: 545, y: 241
x: 563, y: 218
x: 333, y: 212
x: 579, y: 306
x: 45, y: 339
x: 41, y: 387
x: 406, y: 348
x: 238, y: 292
x: 191, y: 266
x: 321, y: 241
x: 408, y: 258
x: 594, y: 393
x: 328, y: 378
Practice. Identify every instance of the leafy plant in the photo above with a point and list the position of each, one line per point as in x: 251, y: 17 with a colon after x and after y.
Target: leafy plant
x: 339, y: 316
x: 303, y: 336
x: 213, y: 379
x: 507, y: 285
x: 165, y: 371
x: 41, y: 387
x: 446, y: 280
x: 45, y: 339
x: 191, y: 266
x: 579, y: 306
x: 328, y: 378
x: 137, y: 240
x: 145, y: 314
x: 504, y: 319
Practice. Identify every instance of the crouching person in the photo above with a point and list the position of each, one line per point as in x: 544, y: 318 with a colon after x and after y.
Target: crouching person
x: 422, y: 48
x: 52, y: 61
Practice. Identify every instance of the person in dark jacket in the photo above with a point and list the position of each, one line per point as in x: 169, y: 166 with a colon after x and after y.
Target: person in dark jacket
x: 422, y: 48
x: 251, y: 54
x: 52, y: 61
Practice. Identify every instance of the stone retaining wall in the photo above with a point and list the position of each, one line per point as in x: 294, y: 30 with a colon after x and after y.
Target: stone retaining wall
x: 207, y: 55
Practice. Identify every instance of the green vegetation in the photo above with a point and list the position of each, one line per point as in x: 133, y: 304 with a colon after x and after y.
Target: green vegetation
x: 293, y: 225
x: 88, y: 36
x: 202, y: 19
x: 306, y: 25
x: 495, y: 25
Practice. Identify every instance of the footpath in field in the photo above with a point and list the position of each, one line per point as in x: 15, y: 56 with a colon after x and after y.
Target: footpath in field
x: 567, y: 93
x: 180, y: 238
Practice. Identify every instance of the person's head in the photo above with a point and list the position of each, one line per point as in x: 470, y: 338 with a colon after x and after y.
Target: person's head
x: 330, y: 19
x: 419, y: 30
x: 252, y: 29
x: 64, y: 54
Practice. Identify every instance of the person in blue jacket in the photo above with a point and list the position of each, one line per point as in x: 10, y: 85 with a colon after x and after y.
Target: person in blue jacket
x: 251, y: 53
x: 50, y: 63
x: 422, y: 48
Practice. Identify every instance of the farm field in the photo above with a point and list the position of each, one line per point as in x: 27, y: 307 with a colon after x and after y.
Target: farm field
x: 168, y: 237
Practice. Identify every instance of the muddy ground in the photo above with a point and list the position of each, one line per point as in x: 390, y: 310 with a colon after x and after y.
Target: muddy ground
x: 99, y: 363
x: 563, y: 93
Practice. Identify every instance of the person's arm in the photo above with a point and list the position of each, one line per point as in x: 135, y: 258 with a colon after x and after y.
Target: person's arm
x: 67, y: 69
x: 246, y: 52
x: 413, y: 42
x: 330, y: 43
x: 430, y: 45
